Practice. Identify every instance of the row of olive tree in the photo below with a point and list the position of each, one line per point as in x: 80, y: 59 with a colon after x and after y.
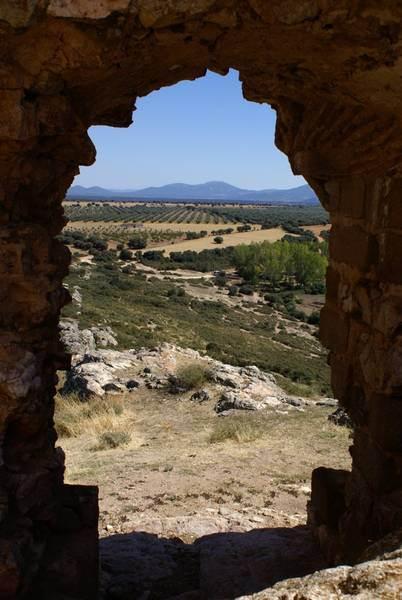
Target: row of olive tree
x: 301, y: 263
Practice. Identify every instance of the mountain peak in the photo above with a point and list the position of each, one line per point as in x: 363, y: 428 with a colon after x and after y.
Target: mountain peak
x: 211, y: 191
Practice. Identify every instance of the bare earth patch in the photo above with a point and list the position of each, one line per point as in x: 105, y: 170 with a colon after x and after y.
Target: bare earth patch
x: 214, y: 501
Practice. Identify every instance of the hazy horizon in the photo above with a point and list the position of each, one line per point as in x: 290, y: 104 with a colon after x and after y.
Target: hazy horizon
x: 193, y: 132
x: 134, y: 189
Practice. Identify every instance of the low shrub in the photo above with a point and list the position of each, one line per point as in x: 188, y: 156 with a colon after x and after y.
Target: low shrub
x: 126, y: 254
x: 192, y: 376
x: 176, y: 292
x: 240, y: 429
x: 213, y: 347
x: 220, y: 281
x: 112, y: 439
x: 314, y: 318
x: 128, y: 269
x: 247, y: 290
x: 137, y: 243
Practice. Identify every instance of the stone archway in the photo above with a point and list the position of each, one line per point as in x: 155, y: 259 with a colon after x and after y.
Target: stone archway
x: 331, y: 70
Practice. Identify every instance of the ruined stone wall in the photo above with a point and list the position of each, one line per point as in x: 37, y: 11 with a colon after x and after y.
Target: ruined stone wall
x: 331, y: 69
x: 361, y: 325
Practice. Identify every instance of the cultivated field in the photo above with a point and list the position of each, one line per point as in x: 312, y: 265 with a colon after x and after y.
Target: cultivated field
x: 272, y: 216
x: 183, y: 227
x: 234, y: 239
x: 126, y: 227
x: 140, y: 213
x: 167, y: 226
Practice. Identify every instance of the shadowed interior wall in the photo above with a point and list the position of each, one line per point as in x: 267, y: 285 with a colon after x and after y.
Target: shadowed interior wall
x: 331, y: 69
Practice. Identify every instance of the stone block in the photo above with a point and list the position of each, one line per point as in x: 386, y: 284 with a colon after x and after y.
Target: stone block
x: 82, y: 9
x: 353, y: 246
x: 352, y: 198
x: 387, y: 511
x: 69, y: 566
x: 388, y: 315
x: 333, y: 189
x: 385, y: 421
x: 328, y: 495
x: 17, y: 12
x: 391, y: 207
x: 13, y: 117
x: 161, y: 13
x: 341, y: 377
x: 390, y: 268
x: 333, y: 281
x: 334, y: 330
x: 377, y: 467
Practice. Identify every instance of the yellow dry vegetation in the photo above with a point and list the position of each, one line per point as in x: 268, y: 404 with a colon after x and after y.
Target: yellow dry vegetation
x: 75, y: 417
x: 233, y: 239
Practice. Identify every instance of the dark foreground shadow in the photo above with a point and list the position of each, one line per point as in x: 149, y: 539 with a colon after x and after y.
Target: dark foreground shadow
x: 222, y: 566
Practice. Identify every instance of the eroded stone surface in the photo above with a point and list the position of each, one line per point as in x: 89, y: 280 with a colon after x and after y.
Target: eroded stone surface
x: 375, y: 579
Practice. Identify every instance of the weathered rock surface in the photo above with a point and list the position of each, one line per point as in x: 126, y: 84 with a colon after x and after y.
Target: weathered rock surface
x: 229, y: 558
x: 201, y: 396
x: 241, y: 400
x: 76, y: 340
x: 83, y: 341
x: 109, y: 371
x: 367, y: 581
x: 101, y: 372
x: 221, y: 563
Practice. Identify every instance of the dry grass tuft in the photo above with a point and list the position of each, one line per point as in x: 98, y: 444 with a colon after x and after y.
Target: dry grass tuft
x: 97, y: 416
x: 240, y: 429
x: 112, y: 439
x: 192, y: 376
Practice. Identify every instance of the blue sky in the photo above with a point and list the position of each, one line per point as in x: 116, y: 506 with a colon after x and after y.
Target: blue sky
x: 193, y: 132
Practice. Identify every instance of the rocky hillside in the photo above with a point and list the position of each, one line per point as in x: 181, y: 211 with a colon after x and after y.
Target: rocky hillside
x: 97, y: 370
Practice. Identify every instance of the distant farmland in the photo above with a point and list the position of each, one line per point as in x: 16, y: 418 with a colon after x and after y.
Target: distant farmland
x: 268, y: 216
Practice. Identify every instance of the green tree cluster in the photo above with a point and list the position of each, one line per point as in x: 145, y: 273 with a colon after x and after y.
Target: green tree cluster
x: 301, y: 264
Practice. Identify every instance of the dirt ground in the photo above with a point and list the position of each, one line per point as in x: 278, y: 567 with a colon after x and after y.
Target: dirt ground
x: 171, y: 480
x: 183, y: 517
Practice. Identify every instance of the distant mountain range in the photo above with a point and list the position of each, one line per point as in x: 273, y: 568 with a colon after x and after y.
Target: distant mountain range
x: 213, y: 191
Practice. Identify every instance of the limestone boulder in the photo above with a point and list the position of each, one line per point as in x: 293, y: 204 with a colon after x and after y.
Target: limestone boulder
x: 374, y: 579
x: 240, y: 400
x: 76, y: 340
x: 83, y: 341
x: 104, y: 337
x: 101, y: 372
x: 82, y: 9
x: 248, y: 388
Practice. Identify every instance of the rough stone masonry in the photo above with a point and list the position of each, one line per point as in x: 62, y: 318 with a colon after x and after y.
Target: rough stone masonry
x: 332, y: 71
